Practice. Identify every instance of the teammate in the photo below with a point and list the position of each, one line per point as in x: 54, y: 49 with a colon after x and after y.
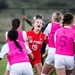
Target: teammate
x: 64, y: 40
x: 48, y: 67
x: 16, y: 25
x: 21, y: 37
x: 16, y: 52
x: 36, y: 41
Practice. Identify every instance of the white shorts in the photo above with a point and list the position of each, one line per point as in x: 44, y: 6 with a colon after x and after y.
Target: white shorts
x: 50, y: 59
x: 21, y: 69
x: 51, y: 50
x: 62, y: 61
x: 51, y: 55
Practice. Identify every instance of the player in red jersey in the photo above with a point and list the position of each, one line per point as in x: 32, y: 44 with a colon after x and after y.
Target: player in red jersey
x: 36, y: 40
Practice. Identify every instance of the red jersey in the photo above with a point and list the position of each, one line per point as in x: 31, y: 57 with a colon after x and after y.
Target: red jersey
x: 35, y: 43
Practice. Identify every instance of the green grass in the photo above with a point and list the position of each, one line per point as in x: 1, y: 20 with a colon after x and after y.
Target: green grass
x: 3, y: 63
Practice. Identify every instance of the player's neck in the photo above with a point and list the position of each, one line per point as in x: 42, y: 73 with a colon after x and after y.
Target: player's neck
x: 36, y: 31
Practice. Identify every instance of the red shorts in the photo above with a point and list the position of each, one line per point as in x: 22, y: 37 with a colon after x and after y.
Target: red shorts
x: 37, y: 59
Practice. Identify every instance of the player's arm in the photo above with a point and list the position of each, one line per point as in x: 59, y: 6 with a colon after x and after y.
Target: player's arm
x: 28, y: 21
x: 4, y: 51
x: 29, y: 52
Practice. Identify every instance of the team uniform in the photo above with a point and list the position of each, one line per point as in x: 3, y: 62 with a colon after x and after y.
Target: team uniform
x: 35, y: 43
x: 50, y: 31
x: 22, y: 36
x: 73, y: 26
x: 64, y: 56
x: 18, y: 60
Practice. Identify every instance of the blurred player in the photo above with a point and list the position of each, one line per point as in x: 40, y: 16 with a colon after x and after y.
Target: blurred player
x: 17, y: 54
x: 65, y: 38
x: 21, y: 37
x: 48, y: 67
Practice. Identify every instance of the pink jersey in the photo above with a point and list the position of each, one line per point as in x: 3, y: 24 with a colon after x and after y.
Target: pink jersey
x: 15, y: 55
x: 65, y: 41
x: 55, y: 26
x: 20, y: 37
x: 73, y: 26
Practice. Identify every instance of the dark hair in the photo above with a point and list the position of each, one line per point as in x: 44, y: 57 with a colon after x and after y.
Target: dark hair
x: 38, y: 16
x: 68, y: 18
x: 15, y: 23
x: 13, y: 36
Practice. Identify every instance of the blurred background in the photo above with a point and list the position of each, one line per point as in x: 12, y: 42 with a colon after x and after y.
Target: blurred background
x: 10, y: 9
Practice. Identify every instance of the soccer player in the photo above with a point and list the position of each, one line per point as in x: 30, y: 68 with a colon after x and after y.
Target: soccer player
x: 21, y: 37
x: 48, y: 67
x: 17, y: 54
x: 64, y: 41
x: 36, y: 40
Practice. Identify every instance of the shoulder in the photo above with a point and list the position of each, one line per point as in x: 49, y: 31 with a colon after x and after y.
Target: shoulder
x: 49, y: 25
x: 29, y: 32
x: 24, y: 32
x: 43, y: 35
x: 6, y: 32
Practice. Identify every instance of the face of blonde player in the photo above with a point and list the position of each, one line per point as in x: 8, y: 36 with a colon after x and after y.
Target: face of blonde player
x: 37, y: 25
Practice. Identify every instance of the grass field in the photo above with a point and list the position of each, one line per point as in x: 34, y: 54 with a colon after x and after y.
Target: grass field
x: 3, y: 66
x: 3, y: 63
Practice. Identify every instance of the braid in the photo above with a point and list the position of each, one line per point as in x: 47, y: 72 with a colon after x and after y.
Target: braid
x: 17, y: 44
x: 13, y: 35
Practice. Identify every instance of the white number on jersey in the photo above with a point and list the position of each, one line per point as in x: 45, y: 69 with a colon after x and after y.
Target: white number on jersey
x: 34, y: 46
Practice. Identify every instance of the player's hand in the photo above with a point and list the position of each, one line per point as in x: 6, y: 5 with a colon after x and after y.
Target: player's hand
x: 44, y: 55
x: 24, y: 17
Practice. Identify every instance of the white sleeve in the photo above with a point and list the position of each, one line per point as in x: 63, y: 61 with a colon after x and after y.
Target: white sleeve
x: 6, y: 37
x: 4, y: 50
x: 28, y: 49
x: 48, y: 29
x: 24, y: 35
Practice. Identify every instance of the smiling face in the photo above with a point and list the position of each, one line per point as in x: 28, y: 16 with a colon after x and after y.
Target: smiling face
x: 37, y: 24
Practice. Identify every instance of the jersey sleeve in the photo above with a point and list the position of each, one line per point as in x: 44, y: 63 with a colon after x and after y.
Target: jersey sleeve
x: 28, y: 49
x: 24, y: 35
x: 48, y: 29
x: 4, y: 50
x: 6, y: 36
